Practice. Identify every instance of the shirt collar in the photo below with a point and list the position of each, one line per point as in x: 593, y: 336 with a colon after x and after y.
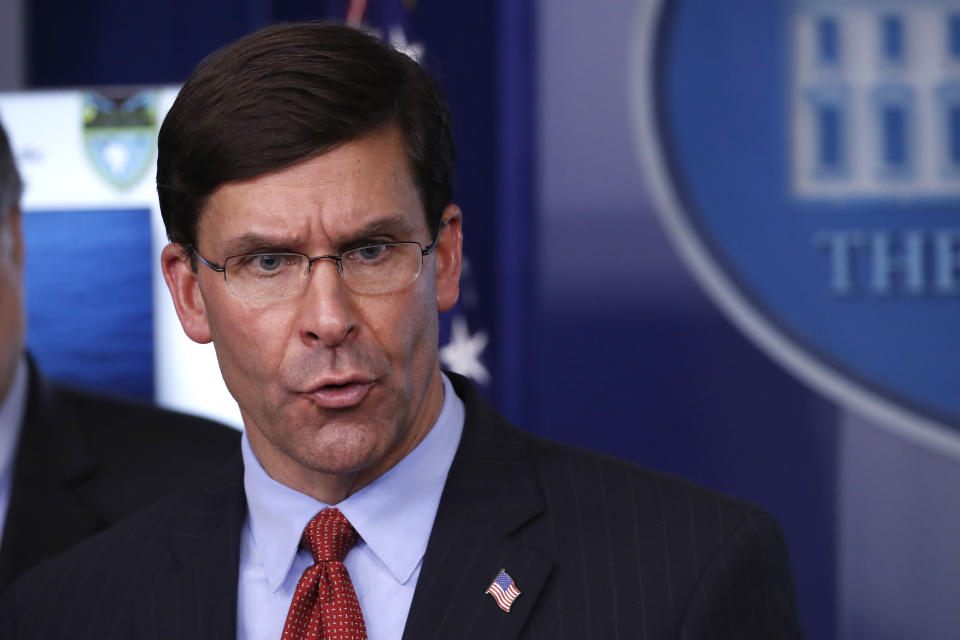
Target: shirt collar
x: 393, y: 514
x: 11, y: 417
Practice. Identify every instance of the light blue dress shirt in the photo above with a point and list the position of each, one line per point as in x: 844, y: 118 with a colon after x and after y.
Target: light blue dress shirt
x: 11, y: 422
x: 393, y: 514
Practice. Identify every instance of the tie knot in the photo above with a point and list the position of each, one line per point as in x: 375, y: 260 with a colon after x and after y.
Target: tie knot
x: 329, y: 536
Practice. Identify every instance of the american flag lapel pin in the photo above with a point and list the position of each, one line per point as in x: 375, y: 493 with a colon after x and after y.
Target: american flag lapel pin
x: 504, y: 590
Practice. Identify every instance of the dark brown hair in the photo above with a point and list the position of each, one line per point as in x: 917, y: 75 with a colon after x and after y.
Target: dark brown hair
x: 11, y: 187
x: 288, y: 93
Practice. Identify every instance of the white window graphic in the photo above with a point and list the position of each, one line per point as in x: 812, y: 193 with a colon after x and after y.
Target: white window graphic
x: 875, y: 98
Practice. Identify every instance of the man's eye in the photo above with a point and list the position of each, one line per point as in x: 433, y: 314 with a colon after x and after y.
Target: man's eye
x: 269, y: 262
x: 370, y: 253
x: 262, y: 263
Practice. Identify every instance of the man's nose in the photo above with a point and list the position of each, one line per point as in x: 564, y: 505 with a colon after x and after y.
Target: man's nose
x: 327, y: 314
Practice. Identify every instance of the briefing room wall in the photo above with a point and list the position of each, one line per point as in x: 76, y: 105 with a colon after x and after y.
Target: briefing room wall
x: 636, y: 360
x: 614, y: 345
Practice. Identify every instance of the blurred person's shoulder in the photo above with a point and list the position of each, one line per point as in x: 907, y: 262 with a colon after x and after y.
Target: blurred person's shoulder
x: 113, y: 455
x: 120, y: 419
x: 150, y: 570
x: 137, y: 440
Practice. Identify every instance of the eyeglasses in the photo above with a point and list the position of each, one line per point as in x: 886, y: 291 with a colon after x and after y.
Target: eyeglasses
x: 371, y: 269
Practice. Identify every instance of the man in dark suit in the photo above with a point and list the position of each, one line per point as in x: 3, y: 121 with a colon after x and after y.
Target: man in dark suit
x: 73, y: 464
x: 305, y: 178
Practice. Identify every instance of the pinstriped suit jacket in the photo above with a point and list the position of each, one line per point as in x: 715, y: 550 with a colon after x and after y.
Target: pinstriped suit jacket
x: 599, y: 548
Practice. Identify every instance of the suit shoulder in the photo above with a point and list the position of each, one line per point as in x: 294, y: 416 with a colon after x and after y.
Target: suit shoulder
x: 698, y: 549
x: 593, y: 484
x: 104, y: 414
x: 135, y: 454
x: 647, y: 549
x: 551, y: 453
x: 618, y: 487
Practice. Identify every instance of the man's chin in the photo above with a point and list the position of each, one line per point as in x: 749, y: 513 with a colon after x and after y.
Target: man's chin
x: 345, y: 447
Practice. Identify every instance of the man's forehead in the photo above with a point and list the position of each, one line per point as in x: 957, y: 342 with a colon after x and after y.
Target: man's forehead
x: 362, y: 188
x: 303, y: 230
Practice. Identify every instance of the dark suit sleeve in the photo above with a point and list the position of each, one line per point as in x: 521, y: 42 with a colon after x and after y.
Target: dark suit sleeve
x: 8, y: 609
x: 746, y: 590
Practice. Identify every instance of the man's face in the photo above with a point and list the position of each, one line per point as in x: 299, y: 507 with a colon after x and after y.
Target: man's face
x: 334, y: 386
x: 11, y: 299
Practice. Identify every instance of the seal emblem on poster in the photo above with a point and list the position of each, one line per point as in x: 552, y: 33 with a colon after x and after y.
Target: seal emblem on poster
x: 804, y: 157
x: 120, y: 135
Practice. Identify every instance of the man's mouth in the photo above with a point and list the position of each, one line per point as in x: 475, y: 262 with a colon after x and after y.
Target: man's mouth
x: 341, y: 394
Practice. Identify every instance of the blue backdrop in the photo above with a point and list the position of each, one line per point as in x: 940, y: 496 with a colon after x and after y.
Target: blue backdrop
x: 598, y: 335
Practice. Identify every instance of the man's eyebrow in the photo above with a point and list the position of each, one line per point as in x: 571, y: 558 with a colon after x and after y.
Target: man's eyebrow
x: 398, y: 227
x: 391, y: 225
x: 255, y: 243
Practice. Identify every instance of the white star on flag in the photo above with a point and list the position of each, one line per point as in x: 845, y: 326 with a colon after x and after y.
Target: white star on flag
x: 462, y: 353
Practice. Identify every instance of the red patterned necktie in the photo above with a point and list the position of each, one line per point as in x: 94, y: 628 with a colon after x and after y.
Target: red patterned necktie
x: 325, y: 605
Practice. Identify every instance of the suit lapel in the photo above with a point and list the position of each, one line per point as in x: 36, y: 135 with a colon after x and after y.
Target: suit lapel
x: 491, y: 493
x: 194, y: 594
x: 52, y: 461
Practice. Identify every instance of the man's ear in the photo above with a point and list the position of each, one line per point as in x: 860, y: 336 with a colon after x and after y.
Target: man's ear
x: 185, y: 290
x: 449, y: 255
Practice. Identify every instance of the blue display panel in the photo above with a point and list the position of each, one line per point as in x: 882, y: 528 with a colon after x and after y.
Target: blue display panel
x: 89, y: 298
